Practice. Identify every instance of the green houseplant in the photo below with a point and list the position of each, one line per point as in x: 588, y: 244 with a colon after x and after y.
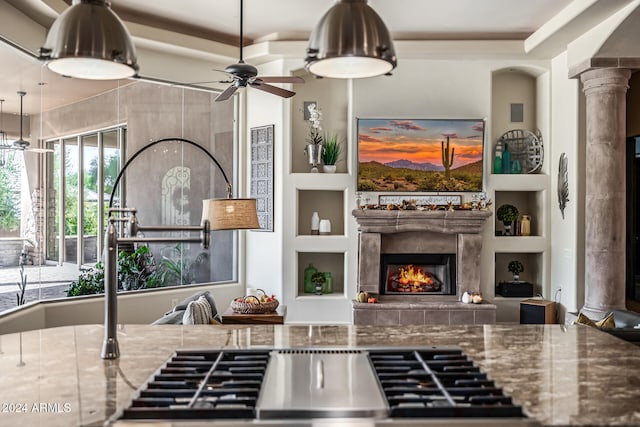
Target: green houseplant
x: 516, y: 268
x: 318, y: 279
x: 134, y: 269
x: 176, y: 268
x: 507, y: 214
x: 90, y: 281
x: 330, y: 153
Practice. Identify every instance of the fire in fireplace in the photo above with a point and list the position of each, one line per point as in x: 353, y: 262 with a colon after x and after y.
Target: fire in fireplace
x: 418, y: 274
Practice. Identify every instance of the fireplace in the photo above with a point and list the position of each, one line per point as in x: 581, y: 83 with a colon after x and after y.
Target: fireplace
x: 418, y: 274
x: 440, y: 246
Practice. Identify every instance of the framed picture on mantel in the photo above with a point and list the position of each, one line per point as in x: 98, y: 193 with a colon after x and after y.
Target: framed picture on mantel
x: 262, y: 174
x: 420, y: 155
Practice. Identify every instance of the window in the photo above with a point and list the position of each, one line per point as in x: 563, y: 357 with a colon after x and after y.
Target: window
x: 166, y: 184
x: 76, y: 219
x: 10, y: 187
x: 89, y: 141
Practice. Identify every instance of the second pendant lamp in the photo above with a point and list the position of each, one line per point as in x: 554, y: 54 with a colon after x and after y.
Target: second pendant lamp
x: 350, y: 41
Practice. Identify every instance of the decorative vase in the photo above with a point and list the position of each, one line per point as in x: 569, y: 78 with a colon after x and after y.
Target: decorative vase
x: 516, y: 277
x: 507, y: 228
x: 497, y: 163
x: 516, y: 166
x: 325, y: 227
x: 327, y: 288
x: 309, y: 286
x: 315, y: 223
x: 329, y: 168
x: 525, y: 225
x: 506, y: 159
x: 314, y: 155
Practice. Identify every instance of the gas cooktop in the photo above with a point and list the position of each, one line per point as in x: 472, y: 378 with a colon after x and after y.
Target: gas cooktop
x: 377, y: 386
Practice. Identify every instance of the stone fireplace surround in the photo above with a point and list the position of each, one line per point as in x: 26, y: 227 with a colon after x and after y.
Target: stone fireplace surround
x: 413, y: 231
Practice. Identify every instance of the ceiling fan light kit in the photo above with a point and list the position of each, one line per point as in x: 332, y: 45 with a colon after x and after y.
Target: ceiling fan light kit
x: 20, y: 144
x: 350, y: 41
x: 89, y: 41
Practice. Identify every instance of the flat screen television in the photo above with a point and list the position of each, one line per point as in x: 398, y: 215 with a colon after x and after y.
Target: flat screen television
x: 420, y: 155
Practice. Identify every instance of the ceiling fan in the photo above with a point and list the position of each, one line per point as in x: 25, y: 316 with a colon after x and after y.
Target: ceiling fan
x: 20, y: 144
x: 243, y: 75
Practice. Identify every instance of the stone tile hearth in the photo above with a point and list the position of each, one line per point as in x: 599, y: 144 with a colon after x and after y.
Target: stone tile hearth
x: 423, y: 313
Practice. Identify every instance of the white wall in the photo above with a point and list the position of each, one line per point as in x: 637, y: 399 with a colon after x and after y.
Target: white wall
x: 426, y: 89
x: 566, y: 251
x: 264, y: 254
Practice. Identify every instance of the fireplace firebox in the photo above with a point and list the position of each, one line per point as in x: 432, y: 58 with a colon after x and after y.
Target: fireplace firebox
x: 418, y: 274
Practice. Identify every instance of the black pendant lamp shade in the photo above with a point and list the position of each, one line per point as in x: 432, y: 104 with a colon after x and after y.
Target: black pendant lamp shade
x: 350, y: 41
x: 89, y: 41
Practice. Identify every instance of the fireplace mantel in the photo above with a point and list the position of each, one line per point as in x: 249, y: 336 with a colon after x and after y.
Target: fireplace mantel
x: 415, y: 231
x: 384, y: 221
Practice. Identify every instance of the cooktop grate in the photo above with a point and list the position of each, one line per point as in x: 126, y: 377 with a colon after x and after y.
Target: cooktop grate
x: 438, y: 382
x: 424, y: 382
x: 203, y: 385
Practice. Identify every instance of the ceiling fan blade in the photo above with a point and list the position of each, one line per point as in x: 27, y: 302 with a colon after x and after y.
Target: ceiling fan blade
x: 271, y: 89
x: 281, y: 79
x: 226, y: 94
x: 212, y: 82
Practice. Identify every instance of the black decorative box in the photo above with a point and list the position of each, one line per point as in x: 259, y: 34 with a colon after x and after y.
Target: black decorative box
x: 514, y: 289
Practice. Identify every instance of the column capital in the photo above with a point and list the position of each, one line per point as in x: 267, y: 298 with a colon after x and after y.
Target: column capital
x: 607, y: 79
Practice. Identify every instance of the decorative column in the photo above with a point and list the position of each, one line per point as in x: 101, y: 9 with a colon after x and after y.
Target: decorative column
x: 605, y: 193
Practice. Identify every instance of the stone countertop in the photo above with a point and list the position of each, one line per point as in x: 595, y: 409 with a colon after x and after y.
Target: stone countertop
x: 560, y: 375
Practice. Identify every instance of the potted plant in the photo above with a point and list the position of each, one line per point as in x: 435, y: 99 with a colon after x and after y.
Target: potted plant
x: 318, y: 279
x: 330, y: 153
x: 507, y: 214
x: 313, y: 149
x: 516, y: 268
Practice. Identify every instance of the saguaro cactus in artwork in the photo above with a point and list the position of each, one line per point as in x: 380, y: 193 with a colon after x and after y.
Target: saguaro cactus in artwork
x: 447, y: 160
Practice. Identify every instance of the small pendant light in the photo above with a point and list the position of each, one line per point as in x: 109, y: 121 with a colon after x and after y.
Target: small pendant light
x: 89, y: 41
x: 350, y: 41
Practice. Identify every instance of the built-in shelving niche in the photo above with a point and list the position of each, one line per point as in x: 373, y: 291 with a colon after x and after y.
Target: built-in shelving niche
x: 325, y: 93
x: 533, y: 268
x: 528, y: 203
x: 324, y: 261
x: 328, y: 203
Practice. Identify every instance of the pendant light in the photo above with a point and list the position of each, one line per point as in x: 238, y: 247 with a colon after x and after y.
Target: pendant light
x: 89, y: 41
x: 4, y: 140
x: 350, y: 41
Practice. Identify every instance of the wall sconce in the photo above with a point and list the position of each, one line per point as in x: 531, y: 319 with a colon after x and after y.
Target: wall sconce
x: 217, y: 214
x: 350, y: 41
x: 89, y: 41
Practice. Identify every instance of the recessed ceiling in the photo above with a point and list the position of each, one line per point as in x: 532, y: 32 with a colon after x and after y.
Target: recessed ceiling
x: 294, y: 19
x: 218, y: 20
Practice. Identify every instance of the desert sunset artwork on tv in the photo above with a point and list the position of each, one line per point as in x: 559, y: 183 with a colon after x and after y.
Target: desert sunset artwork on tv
x: 424, y: 155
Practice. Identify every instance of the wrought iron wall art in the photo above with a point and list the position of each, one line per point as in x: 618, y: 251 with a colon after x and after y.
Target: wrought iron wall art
x: 262, y: 174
